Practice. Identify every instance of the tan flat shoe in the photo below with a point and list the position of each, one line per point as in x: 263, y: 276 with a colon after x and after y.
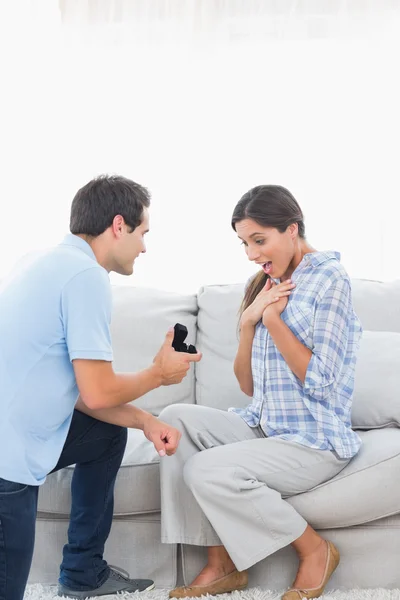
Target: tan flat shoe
x: 237, y: 580
x: 332, y: 562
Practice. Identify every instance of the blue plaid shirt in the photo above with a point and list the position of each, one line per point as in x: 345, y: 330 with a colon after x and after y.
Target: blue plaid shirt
x: 316, y: 413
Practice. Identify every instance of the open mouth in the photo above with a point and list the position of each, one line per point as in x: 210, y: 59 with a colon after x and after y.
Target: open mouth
x: 267, y: 267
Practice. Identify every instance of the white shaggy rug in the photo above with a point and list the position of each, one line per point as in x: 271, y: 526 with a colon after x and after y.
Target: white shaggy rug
x: 38, y: 592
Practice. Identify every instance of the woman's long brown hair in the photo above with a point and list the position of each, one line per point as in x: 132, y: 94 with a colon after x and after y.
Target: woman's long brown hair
x: 253, y: 289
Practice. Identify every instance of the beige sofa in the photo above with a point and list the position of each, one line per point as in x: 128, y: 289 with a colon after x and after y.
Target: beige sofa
x: 359, y: 509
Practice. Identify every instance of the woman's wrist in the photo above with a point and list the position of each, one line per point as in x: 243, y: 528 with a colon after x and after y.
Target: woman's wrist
x: 246, y: 324
x: 270, y: 317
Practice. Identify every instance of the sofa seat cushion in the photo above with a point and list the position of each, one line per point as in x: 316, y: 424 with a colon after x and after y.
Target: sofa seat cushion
x: 137, y: 489
x: 368, y: 488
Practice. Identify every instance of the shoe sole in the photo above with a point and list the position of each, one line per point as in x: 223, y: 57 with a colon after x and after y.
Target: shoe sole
x: 227, y: 591
x: 81, y: 596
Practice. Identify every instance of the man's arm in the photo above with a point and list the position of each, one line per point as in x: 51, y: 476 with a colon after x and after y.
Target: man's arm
x: 101, y: 388
x: 124, y: 416
x: 86, y: 316
x: 164, y: 437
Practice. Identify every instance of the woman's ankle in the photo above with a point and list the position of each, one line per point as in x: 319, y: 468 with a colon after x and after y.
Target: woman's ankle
x: 309, y: 543
x: 219, y: 559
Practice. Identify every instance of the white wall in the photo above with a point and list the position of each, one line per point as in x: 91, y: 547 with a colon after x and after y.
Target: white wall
x: 199, y: 121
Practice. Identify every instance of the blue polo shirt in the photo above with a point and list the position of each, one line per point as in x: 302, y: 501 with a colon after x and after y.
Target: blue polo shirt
x: 54, y: 308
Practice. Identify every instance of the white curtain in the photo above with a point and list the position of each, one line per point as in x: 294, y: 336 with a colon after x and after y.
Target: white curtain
x: 200, y: 100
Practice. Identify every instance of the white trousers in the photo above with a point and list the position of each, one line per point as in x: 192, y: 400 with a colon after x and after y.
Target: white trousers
x: 227, y: 484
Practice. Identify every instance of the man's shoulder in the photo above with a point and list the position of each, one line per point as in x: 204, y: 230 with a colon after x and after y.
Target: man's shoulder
x: 70, y: 262
x: 48, y: 272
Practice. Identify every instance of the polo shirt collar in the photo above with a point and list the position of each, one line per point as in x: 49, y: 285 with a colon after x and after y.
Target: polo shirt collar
x: 78, y: 242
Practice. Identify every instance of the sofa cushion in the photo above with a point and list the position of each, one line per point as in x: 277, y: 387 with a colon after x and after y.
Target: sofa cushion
x: 368, y: 488
x: 376, y: 400
x: 217, y: 338
x: 370, y: 559
x: 133, y: 545
x: 377, y: 304
x: 140, y: 320
x: 137, y: 489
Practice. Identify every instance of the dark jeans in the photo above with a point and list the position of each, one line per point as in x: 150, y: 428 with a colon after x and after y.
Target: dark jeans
x: 97, y: 449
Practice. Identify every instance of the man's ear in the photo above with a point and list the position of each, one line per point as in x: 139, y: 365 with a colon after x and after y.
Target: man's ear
x: 118, y: 225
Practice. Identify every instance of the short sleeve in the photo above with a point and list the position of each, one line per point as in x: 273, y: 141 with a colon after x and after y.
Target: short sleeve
x: 86, y: 314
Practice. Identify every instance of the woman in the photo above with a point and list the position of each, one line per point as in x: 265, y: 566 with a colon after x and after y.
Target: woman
x: 226, y: 487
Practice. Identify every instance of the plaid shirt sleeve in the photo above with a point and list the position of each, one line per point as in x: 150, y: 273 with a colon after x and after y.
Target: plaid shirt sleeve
x: 331, y: 331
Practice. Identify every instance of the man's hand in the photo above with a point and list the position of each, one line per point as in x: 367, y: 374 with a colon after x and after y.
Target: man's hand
x: 164, y: 437
x: 171, y: 365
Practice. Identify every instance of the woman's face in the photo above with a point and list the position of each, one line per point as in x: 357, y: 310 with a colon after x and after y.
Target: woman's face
x: 267, y: 247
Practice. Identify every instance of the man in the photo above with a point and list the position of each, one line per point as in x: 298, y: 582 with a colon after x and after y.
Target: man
x: 55, y: 344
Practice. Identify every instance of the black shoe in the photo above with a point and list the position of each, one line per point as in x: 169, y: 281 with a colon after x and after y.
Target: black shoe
x: 118, y: 581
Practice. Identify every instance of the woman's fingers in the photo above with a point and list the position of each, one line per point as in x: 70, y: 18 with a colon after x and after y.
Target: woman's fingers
x: 281, y: 294
x: 284, y: 287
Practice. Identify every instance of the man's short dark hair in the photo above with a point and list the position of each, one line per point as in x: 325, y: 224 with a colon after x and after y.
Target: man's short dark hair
x: 97, y: 203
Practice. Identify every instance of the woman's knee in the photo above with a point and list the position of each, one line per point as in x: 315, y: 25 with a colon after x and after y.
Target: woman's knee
x: 177, y: 413
x: 198, y: 470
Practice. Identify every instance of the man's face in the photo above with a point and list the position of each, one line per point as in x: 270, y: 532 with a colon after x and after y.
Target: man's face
x: 130, y: 245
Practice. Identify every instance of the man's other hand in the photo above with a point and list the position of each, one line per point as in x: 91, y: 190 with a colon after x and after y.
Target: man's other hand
x: 164, y: 437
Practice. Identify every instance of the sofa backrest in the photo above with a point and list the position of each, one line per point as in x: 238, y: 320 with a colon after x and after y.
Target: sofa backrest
x: 218, y: 338
x: 140, y: 320
x: 377, y: 304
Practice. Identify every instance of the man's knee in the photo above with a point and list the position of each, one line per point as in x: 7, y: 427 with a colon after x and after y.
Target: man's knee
x: 112, y: 431
x: 117, y: 435
x: 122, y: 433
